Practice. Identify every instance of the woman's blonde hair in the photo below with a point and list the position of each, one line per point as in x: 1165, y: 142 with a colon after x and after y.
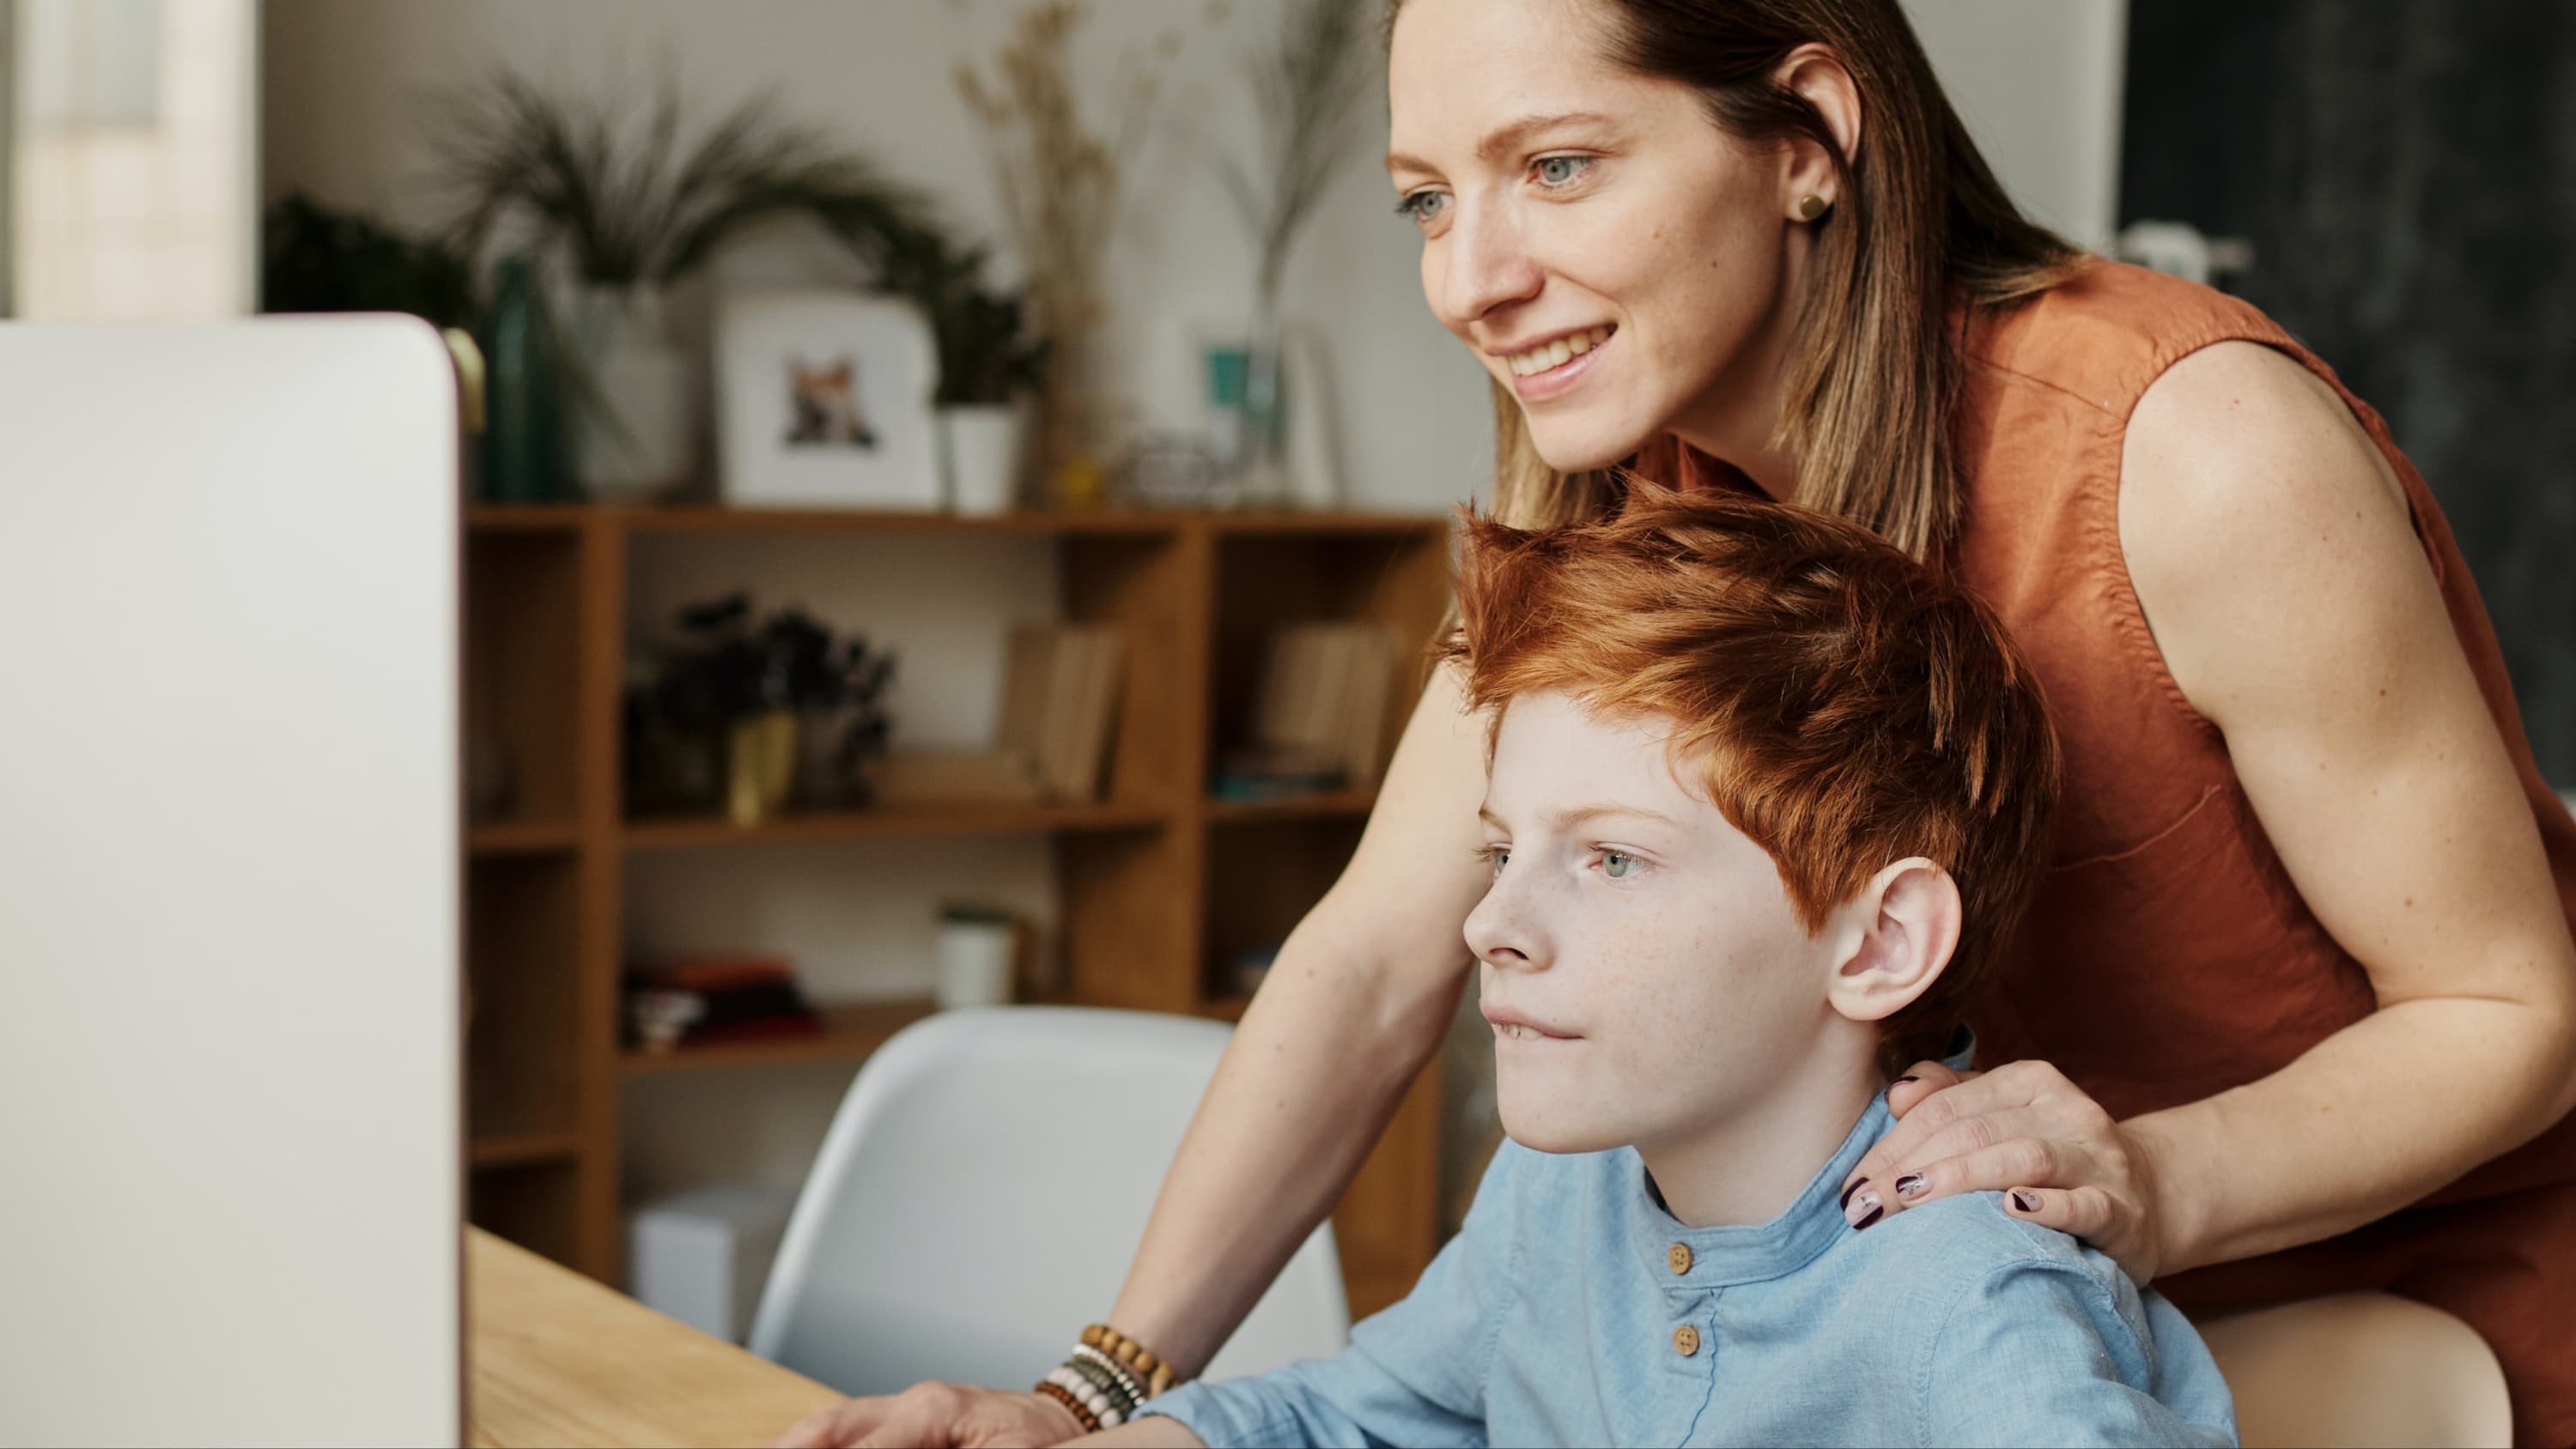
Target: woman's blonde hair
x: 1872, y: 381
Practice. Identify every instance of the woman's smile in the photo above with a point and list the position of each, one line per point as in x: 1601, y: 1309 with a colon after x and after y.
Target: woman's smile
x: 1552, y: 369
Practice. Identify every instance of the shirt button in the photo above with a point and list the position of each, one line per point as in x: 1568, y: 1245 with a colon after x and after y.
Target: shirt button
x: 1686, y: 1340
x: 1679, y: 1257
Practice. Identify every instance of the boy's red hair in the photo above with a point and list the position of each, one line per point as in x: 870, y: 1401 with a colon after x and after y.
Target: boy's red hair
x: 1841, y: 705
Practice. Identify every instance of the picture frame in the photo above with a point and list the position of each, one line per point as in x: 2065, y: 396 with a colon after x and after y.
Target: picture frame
x: 824, y: 399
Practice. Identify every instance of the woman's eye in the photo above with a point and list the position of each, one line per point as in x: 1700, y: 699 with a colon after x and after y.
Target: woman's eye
x: 1494, y: 856
x: 1559, y: 170
x: 1615, y: 865
x: 1421, y: 207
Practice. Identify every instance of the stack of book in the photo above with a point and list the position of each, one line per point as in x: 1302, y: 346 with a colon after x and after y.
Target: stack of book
x: 1059, y: 722
x: 687, y: 1001
x: 1319, y: 721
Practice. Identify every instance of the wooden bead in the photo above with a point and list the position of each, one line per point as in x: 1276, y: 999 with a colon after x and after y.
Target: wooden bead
x: 1152, y: 1372
x: 1082, y: 1415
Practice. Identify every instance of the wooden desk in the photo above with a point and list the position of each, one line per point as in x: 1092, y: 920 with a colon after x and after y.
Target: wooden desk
x: 553, y: 1358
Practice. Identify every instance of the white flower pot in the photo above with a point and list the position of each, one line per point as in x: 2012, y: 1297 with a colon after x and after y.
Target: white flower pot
x: 634, y: 434
x: 982, y: 443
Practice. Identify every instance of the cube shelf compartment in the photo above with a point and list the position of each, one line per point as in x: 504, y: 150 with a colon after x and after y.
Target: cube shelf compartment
x: 1155, y: 882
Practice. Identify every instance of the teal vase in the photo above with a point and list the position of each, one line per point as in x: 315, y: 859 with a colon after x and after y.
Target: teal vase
x: 523, y: 434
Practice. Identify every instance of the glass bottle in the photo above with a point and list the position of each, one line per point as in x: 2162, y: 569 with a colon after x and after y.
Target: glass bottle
x: 523, y: 448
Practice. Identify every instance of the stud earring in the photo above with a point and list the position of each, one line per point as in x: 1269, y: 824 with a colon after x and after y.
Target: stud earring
x: 1812, y: 207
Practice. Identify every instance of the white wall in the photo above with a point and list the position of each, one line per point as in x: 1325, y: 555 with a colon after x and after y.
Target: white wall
x: 347, y: 87
x: 2038, y: 84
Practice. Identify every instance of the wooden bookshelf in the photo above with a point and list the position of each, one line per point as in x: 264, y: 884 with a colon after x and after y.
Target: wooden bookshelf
x: 1296, y: 807
x: 1157, y: 885
x: 907, y: 822
x: 524, y: 1147
x: 849, y: 1033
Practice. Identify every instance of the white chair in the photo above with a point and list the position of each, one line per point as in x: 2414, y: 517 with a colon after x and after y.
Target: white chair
x: 2360, y: 1369
x: 981, y: 1192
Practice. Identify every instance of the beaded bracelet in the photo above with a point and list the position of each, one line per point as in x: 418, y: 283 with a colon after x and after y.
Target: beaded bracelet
x: 1156, y: 1374
x: 1090, y: 1422
x: 1082, y: 1412
x: 1097, y: 1364
x: 1120, y: 1388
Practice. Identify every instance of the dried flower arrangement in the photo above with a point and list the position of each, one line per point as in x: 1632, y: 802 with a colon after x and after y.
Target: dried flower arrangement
x: 1060, y: 183
x: 1307, y: 82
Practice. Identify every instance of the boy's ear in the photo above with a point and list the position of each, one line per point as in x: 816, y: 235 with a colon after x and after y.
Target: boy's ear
x: 1901, y: 930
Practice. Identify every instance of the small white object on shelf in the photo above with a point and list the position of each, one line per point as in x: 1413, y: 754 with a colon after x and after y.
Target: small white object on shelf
x: 982, y: 442
x: 701, y: 1255
x: 824, y: 401
x: 977, y: 952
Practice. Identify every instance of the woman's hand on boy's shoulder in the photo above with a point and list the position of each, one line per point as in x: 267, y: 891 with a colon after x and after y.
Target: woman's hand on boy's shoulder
x: 2027, y: 1132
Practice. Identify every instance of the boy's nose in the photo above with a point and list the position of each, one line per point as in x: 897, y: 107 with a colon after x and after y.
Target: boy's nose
x: 1498, y: 936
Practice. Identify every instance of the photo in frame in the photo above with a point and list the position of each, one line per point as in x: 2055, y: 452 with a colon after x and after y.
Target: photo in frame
x: 824, y: 400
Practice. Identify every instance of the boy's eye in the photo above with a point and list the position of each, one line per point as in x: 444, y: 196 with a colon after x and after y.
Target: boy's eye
x: 1615, y: 865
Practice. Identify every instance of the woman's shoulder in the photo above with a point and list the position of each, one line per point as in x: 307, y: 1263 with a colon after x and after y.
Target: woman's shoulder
x: 2103, y: 337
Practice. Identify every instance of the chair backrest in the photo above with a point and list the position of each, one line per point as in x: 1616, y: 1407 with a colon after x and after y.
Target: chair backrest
x: 981, y: 1192
x: 2360, y: 1369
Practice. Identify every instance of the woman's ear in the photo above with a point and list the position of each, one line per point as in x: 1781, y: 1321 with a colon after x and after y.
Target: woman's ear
x: 1817, y: 74
x: 1907, y: 922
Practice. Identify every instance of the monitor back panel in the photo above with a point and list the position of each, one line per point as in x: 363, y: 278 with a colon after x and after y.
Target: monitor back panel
x: 229, y: 861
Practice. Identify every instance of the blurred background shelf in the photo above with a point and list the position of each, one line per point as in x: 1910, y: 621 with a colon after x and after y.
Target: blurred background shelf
x: 522, y: 837
x: 894, y: 823
x: 1324, y: 805
x: 1150, y: 887
x: 849, y: 1033
x: 1225, y: 1008
x: 524, y: 1147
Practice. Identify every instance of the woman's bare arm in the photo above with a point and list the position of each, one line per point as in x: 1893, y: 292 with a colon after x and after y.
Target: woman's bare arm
x: 2275, y: 558
x: 1354, y: 1005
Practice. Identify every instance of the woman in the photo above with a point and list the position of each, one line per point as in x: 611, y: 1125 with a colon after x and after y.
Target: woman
x: 2296, y: 1012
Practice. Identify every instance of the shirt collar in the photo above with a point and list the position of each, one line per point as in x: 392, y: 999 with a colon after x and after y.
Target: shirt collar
x: 1721, y: 1257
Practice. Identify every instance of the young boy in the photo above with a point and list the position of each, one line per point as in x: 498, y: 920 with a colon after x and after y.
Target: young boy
x: 1765, y: 798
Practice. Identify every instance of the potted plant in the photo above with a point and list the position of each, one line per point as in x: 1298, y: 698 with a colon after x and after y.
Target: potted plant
x: 753, y: 716
x: 610, y: 194
x: 988, y: 364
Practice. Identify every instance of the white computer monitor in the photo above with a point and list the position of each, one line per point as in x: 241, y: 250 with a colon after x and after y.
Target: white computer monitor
x: 230, y: 1173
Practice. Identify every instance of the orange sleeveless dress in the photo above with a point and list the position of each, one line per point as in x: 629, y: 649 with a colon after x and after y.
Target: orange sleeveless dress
x: 2168, y: 956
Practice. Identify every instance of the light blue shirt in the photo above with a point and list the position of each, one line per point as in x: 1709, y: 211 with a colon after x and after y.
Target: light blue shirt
x: 1554, y: 1317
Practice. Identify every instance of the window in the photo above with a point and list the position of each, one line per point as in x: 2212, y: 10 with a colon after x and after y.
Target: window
x: 132, y: 136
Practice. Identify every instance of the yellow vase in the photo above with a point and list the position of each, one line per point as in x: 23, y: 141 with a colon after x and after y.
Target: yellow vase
x: 760, y: 766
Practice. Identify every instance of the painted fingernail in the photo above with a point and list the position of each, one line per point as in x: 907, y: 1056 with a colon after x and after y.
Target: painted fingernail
x: 1856, y: 1185
x: 1863, y: 1210
x: 1901, y: 1081
x: 1910, y: 1186
x: 2026, y: 1201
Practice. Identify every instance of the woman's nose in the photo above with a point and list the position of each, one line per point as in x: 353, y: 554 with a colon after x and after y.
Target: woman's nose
x: 1485, y: 267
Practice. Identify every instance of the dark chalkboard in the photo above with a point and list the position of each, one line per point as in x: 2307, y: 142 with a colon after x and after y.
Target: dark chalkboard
x: 2406, y: 170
